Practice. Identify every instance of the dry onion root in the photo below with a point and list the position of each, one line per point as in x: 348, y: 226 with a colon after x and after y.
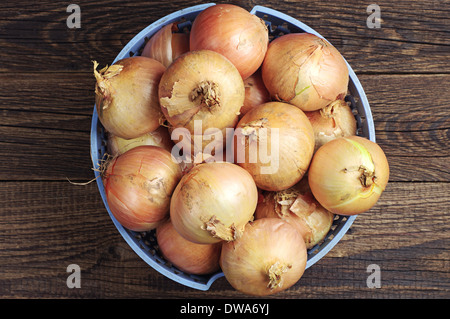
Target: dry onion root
x: 126, y: 96
x: 213, y: 202
x: 274, y: 142
x: 297, y: 206
x: 305, y: 70
x: 333, y: 121
x: 348, y: 175
x: 269, y: 257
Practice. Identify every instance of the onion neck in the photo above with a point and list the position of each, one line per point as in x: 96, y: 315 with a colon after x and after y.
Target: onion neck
x: 275, y: 273
x: 367, y: 176
x: 284, y: 200
x: 250, y: 129
x: 207, y: 94
x: 103, y: 86
x: 331, y: 109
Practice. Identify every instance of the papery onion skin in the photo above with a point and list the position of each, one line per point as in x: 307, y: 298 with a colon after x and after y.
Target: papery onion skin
x: 295, y: 143
x: 166, y: 45
x: 255, y: 92
x: 333, y: 121
x: 187, y: 256
x: 348, y: 175
x: 127, y: 96
x: 159, y: 137
x: 305, y: 70
x: 270, y: 257
x: 213, y: 202
x: 233, y: 32
x: 297, y: 206
x: 138, y: 186
x: 201, y: 86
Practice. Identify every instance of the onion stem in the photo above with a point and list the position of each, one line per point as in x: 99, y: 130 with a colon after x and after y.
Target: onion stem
x: 207, y: 93
x: 275, y: 273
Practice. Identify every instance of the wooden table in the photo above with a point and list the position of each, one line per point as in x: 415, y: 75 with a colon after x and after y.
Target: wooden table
x: 46, y: 104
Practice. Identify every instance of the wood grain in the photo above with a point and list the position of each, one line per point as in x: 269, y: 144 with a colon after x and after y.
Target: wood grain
x: 37, y: 39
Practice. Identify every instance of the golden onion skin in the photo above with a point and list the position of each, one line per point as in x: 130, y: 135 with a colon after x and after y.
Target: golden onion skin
x: 270, y: 257
x: 139, y: 184
x: 305, y: 70
x: 166, y: 45
x: 127, y: 96
x: 333, y: 121
x: 213, y: 202
x: 187, y: 256
x: 348, y: 175
x: 294, y: 144
x: 201, y: 86
x: 159, y: 137
x: 297, y: 206
x: 233, y: 32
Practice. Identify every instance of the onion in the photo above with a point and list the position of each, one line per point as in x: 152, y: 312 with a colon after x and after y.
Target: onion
x: 268, y: 258
x: 255, y: 92
x: 297, y: 206
x: 138, y: 185
x: 305, y: 70
x: 213, y: 202
x: 185, y: 255
x: 233, y: 32
x: 333, y: 121
x: 166, y: 45
x: 281, y: 130
x: 159, y: 137
x: 347, y: 175
x: 201, y: 87
x: 127, y: 96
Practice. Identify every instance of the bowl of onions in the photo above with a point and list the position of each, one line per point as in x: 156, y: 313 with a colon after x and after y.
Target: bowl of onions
x: 181, y: 117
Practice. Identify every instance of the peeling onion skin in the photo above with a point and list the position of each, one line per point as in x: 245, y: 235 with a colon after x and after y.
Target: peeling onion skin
x: 213, y: 202
x: 233, y: 32
x: 127, y: 96
x: 201, y: 85
x: 187, y: 256
x: 348, y: 175
x: 333, y: 121
x: 305, y: 70
x: 166, y: 45
x: 270, y: 257
x: 298, y: 207
x: 159, y: 137
x: 138, y: 186
x: 295, y: 145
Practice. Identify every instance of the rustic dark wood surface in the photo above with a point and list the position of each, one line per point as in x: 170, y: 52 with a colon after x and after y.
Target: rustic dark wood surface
x: 46, y: 103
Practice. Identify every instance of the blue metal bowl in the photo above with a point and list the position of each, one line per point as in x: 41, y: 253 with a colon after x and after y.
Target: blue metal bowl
x: 144, y: 244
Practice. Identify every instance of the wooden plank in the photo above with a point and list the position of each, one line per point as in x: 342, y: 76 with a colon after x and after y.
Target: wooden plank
x: 44, y: 154
x: 46, y: 226
x: 412, y: 38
